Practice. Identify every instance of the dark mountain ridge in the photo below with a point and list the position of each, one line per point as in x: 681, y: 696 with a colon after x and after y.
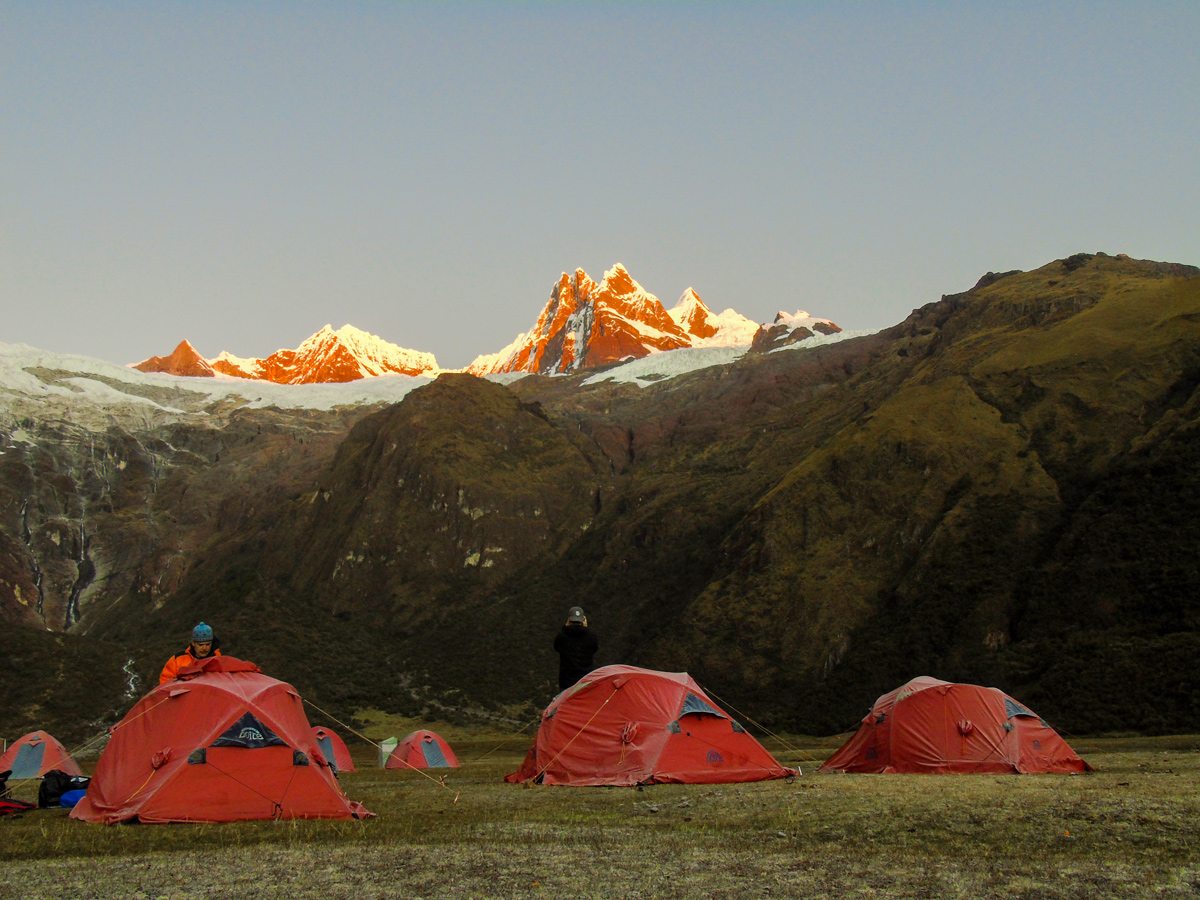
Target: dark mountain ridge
x: 999, y: 489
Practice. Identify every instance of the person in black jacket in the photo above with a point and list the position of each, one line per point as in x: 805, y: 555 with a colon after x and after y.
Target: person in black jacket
x: 576, y: 647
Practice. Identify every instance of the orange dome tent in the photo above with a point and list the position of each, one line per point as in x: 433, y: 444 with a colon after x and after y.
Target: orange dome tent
x: 623, y: 725
x: 422, y: 750
x: 221, y: 743
x: 334, y: 749
x: 932, y: 726
x: 35, y: 754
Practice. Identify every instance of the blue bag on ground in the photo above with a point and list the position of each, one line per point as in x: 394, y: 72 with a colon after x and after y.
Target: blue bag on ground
x: 70, y: 798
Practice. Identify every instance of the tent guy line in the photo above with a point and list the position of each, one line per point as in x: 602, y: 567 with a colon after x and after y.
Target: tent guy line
x: 437, y: 781
x: 522, y: 730
x: 662, y: 728
x: 616, y: 688
x: 340, y: 722
x: 744, y: 757
x: 231, y: 744
x: 937, y: 727
x: 277, y: 804
x: 807, y: 756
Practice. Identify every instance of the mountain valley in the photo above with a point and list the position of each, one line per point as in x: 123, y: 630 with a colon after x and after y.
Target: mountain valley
x: 1001, y: 489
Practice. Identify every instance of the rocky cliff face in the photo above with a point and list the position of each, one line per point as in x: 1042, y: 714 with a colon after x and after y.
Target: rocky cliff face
x: 1000, y: 489
x: 109, y: 479
x: 585, y: 325
x: 788, y: 329
x: 91, y: 519
x: 185, y: 360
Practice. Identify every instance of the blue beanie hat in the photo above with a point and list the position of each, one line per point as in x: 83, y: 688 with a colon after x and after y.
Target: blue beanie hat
x: 202, y: 633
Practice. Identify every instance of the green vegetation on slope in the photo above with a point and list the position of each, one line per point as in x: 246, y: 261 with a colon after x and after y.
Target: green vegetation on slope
x: 999, y: 489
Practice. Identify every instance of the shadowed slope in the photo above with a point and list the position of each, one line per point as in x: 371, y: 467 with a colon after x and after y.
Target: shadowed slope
x: 999, y: 490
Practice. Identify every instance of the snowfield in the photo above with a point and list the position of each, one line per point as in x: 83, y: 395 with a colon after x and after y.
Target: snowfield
x: 34, y: 381
x: 61, y: 386
x: 670, y: 363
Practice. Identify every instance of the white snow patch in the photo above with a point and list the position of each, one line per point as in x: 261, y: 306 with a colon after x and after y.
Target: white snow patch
x: 798, y: 319
x: 661, y: 366
x: 505, y: 378
x: 733, y: 329
x: 93, y: 382
x: 820, y: 340
x: 242, y: 364
x: 102, y: 394
x: 487, y: 363
x: 668, y: 364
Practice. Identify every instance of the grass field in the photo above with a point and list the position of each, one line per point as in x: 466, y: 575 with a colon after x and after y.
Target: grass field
x: 1131, y: 829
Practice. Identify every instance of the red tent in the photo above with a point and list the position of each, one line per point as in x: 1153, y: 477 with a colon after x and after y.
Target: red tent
x: 35, y: 754
x: 935, y: 727
x: 220, y: 743
x: 624, y: 725
x: 334, y: 749
x: 422, y: 750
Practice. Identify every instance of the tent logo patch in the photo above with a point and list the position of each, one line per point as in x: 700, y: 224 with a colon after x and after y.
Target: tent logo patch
x: 249, y: 733
x: 714, y: 757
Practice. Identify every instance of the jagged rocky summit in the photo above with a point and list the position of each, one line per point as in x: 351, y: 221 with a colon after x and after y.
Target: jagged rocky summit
x: 586, y: 324
x: 327, y: 357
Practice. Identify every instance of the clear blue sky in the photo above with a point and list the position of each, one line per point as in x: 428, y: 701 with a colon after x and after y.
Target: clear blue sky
x: 240, y: 174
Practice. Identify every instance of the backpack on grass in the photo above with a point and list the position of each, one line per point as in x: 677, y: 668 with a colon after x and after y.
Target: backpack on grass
x: 55, y: 783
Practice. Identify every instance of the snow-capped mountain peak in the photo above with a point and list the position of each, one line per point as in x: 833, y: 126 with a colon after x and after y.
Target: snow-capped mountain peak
x: 789, y: 329
x: 184, y: 360
x: 585, y: 324
x: 328, y: 356
x: 707, y: 329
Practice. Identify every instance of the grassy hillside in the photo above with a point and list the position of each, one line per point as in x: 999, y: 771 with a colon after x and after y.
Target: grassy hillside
x: 999, y: 489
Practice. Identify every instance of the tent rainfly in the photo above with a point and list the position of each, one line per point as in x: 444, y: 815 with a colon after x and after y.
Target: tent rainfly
x: 621, y: 725
x: 422, y: 750
x: 936, y: 727
x: 221, y: 743
x: 334, y: 749
x: 35, y: 754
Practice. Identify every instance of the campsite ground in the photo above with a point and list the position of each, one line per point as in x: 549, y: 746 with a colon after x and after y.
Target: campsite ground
x: 1131, y: 829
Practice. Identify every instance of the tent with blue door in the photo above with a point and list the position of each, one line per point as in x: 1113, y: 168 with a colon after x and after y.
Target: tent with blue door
x: 334, y: 749
x: 936, y: 727
x: 35, y: 754
x: 623, y: 725
x: 422, y: 750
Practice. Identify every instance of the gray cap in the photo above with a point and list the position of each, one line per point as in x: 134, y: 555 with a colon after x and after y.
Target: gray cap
x: 575, y: 614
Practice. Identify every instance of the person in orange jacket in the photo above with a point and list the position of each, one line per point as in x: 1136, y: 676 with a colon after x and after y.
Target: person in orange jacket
x: 203, y: 644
